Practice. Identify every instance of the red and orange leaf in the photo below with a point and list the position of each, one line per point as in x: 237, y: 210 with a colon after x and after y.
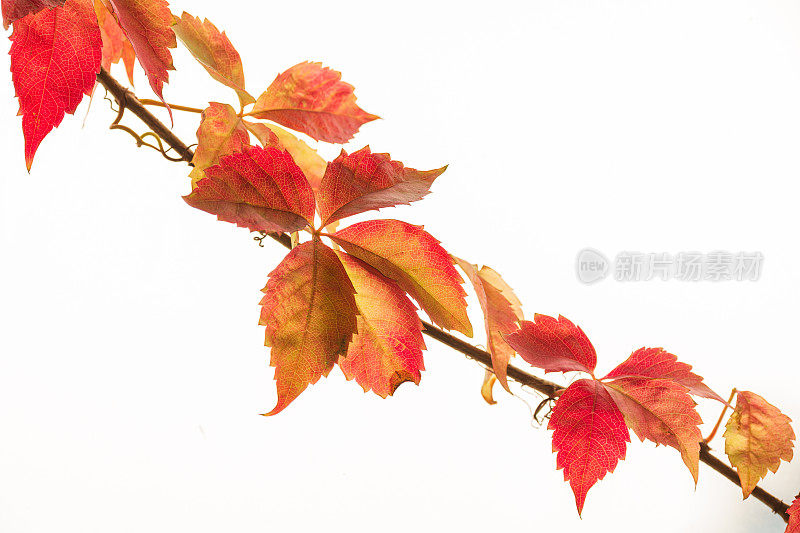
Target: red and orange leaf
x: 662, y: 411
x: 757, y: 437
x: 363, y: 181
x: 214, y: 51
x: 55, y: 58
x: 17, y: 9
x: 314, y: 100
x: 556, y: 345
x: 311, y: 163
x: 589, y: 436
x: 502, y: 310
x: 417, y: 262
x: 148, y: 26
x: 221, y: 132
x: 128, y: 58
x: 658, y: 363
x: 387, y: 351
x: 310, y: 315
x: 259, y: 188
x: 115, y: 45
x: 794, y: 517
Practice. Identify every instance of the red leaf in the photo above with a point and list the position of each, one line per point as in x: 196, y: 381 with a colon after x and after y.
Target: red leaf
x: 314, y: 100
x: 589, y: 436
x: 363, y: 181
x: 554, y: 345
x: 794, y: 517
x: 260, y: 188
x: 148, y: 26
x: 658, y: 363
x: 502, y: 310
x: 757, y: 437
x: 416, y: 261
x: 221, y: 133
x: 55, y: 58
x: 310, y: 315
x: 115, y: 45
x: 387, y: 351
x: 17, y: 9
x: 662, y: 411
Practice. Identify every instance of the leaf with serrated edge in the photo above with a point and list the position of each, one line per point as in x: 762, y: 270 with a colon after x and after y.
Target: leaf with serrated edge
x: 221, y: 132
x: 214, y: 51
x: 387, y: 351
x: 589, y: 436
x: 502, y: 310
x: 17, y: 9
x: 314, y: 100
x: 148, y: 26
x: 309, y: 312
x: 556, y: 345
x: 363, y: 181
x: 416, y: 261
x: 662, y: 411
x: 658, y: 363
x: 115, y: 45
x: 757, y: 437
x: 794, y: 517
x: 259, y: 188
x: 307, y: 158
x: 55, y: 58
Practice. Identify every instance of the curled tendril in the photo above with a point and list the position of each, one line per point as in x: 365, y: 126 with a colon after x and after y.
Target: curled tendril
x: 546, y: 403
x: 260, y: 239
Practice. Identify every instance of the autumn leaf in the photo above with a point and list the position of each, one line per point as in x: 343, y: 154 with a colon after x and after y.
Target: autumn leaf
x: 416, y: 261
x: 214, y: 51
x: 148, y: 26
x: 662, y: 411
x: 658, y: 363
x: 221, y: 132
x: 757, y: 437
x: 794, y: 517
x: 502, y: 310
x: 55, y: 58
x: 17, y: 9
x: 589, y: 436
x: 387, y: 351
x: 363, y: 181
x: 487, y: 387
x: 556, y: 345
x: 314, y: 100
x: 309, y: 161
x: 309, y: 312
x: 259, y: 188
x: 115, y: 45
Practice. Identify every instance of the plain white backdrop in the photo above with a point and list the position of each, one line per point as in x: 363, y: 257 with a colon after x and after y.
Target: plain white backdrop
x: 132, y: 369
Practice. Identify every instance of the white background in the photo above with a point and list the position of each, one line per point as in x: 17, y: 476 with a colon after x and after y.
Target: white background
x: 132, y: 369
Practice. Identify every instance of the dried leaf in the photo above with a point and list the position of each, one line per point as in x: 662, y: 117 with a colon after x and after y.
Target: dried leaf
x: 489, y: 380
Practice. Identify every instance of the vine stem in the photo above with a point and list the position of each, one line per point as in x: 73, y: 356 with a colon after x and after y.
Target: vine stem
x: 126, y: 98
x: 176, y: 107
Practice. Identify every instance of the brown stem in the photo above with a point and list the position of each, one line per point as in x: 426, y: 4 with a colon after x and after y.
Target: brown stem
x: 721, y: 416
x: 548, y: 388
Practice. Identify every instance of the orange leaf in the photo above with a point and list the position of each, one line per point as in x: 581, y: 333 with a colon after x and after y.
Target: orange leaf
x: 307, y: 158
x: 148, y: 26
x: 314, y: 100
x: 17, y: 9
x: 417, y: 262
x: 115, y: 45
x: 310, y: 315
x: 757, y: 437
x: 363, y: 181
x: 388, y: 348
x: 658, y: 363
x: 259, y: 188
x: 502, y: 310
x: 214, y: 51
x: 489, y: 380
x: 662, y: 411
x: 589, y: 436
x: 554, y: 345
x: 221, y: 132
x: 55, y: 58
x: 794, y: 517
